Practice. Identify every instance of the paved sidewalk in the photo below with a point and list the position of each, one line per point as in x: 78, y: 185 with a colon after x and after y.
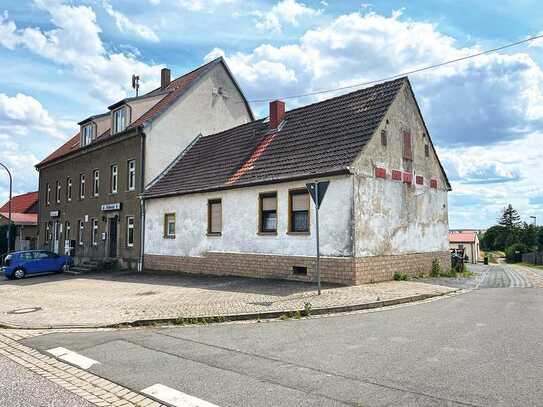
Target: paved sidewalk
x: 108, y: 299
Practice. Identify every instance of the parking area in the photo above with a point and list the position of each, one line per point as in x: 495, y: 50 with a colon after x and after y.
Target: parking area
x: 102, y: 299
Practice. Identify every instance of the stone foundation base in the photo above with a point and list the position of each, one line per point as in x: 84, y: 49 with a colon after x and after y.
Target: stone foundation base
x: 340, y: 270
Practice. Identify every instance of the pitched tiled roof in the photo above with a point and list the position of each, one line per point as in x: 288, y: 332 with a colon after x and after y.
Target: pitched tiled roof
x: 24, y: 203
x: 466, y: 237
x: 21, y: 218
x: 173, y: 91
x: 320, y: 139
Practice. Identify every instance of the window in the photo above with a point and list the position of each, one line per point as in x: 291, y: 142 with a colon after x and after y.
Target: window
x: 214, y: 217
x: 47, y: 194
x: 114, y: 178
x: 299, y: 211
x: 69, y: 190
x: 426, y: 150
x: 383, y: 138
x: 169, y: 225
x: 96, y: 183
x: 57, y: 193
x: 407, y: 148
x: 95, y: 232
x: 131, y: 175
x: 47, y: 232
x: 82, y: 186
x: 67, y: 230
x: 81, y: 232
x: 120, y: 120
x: 130, y: 231
x: 87, y: 137
x: 268, y: 212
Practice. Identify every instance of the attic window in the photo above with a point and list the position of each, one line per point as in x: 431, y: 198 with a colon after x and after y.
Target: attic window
x: 120, y: 119
x: 407, y: 148
x: 87, y: 134
x: 384, y: 138
x: 426, y: 150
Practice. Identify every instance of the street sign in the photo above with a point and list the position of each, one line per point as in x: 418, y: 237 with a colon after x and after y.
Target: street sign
x: 111, y: 207
x: 322, y: 188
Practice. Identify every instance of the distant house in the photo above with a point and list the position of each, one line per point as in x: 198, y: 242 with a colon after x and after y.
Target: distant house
x: 235, y: 202
x: 24, y: 215
x: 89, y: 187
x: 469, y: 241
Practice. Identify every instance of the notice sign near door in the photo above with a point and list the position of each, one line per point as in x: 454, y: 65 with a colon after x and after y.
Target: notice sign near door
x: 111, y: 207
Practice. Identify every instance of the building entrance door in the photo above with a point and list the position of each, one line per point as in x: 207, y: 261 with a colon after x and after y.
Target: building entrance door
x: 56, y: 236
x: 113, y: 237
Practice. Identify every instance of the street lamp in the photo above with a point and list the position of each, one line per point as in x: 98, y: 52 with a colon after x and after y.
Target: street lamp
x: 9, y: 205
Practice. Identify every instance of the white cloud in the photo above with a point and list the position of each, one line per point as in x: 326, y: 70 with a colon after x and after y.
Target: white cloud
x: 286, y: 11
x: 75, y: 42
x: 125, y: 25
x: 204, y: 5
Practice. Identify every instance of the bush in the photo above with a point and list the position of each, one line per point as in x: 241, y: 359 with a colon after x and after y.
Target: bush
x: 513, y: 253
x: 400, y: 276
x: 436, y: 268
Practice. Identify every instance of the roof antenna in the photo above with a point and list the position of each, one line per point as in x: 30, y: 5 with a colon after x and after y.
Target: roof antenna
x: 136, y: 83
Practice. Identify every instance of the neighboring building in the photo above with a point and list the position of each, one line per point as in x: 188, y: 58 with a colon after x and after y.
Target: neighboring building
x: 469, y: 241
x: 236, y: 203
x: 89, y: 187
x: 24, y: 215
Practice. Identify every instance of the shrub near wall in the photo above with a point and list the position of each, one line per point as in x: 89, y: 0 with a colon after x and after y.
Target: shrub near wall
x: 513, y: 254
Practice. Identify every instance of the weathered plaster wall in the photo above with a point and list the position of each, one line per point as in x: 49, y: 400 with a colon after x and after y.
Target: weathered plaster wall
x: 198, y: 111
x: 240, y: 223
x: 392, y: 217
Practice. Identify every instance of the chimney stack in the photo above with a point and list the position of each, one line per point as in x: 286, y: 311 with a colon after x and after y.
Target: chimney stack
x: 165, y: 78
x: 277, y: 113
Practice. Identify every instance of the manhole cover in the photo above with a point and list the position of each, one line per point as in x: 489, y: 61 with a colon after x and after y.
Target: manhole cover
x: 25, y: 310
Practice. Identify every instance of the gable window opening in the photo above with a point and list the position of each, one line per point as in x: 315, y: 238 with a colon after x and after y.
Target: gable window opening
x: 299, y: 211
x: 426, y: 150
x: 69, y: 190
x: 96, y: 183
x: 57, y: 194
x: 169, y: 225
x: 130, y: 231
x: 407, y: 146
x: 214, y: 217
x: 87, y: 134
x: 131, y: 175
x: 268, y: 212
x: 120, y: 121
x: 82, y: 186
x: 81, y: 232
x: 114, y: 178
x: 384, y: 140
x: 95, y: 232
x: 48, y: 194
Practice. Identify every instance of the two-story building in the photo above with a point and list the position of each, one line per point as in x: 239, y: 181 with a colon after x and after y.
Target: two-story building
x: 89, y: 187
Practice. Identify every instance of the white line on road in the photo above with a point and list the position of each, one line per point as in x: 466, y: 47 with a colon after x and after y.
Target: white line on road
x: 174, y: 397
x: 71, y: 357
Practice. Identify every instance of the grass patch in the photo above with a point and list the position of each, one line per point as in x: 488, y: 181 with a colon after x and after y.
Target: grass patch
x: 401, y: 276
x: 534, y: 266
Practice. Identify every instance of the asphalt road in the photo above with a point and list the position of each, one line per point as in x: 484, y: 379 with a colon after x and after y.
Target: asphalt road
x: 483, y: 348
x: 20, y: 387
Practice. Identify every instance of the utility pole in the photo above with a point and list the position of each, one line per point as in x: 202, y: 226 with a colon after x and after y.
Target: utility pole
x: 9, y: 206
x: 535, y: 220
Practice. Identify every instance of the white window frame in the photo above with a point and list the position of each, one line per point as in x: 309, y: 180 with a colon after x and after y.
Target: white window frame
x: 94, y: 232
x: 47, y: 232
x: 57, y: 192
x: 69, y: 189
x: 121, y: 112
x: 48, y: 194
x: 130, y: 227
x: 67, y: 230
x: 80, y: 236
x: 114, y: 178
x: 87, y: 134
x: 131, y: 181
x: 81, y: 186
x: 169, y: 219
x: 96, y: 183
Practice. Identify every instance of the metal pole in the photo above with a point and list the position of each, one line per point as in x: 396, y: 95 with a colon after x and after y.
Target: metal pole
x: 9, y: 206
x: 317, y: 231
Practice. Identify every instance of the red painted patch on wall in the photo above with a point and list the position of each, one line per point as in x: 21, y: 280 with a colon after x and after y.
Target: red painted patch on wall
x: 396, y: 175
x: 433, y: 183
x: 420, y: 180
x: 407, y: 178
x: 380, y: 172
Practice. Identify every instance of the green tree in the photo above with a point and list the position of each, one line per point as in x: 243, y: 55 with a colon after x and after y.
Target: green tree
x: 492, y: 237
x: 509, y: 219
x: 529, y: 235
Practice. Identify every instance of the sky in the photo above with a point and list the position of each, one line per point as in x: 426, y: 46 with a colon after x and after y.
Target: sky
x: 62, y: 61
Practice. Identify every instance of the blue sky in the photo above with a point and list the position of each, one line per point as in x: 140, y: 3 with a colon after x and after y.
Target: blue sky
x: 63, y: 61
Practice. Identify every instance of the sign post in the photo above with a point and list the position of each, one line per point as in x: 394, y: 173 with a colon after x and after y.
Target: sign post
x: 317, y: 190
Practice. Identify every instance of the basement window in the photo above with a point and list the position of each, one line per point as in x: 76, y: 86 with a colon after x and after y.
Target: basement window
x: 299, y: 270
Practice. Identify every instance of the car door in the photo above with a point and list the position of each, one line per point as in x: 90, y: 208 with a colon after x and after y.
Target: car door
x: 45, y: 261
x: 28, y: 262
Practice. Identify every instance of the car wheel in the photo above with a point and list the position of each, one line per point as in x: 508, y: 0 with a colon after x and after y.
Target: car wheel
x: 18, y: 274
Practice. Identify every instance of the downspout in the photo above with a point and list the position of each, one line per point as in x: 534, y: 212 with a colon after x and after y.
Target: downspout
x: 142, y: 200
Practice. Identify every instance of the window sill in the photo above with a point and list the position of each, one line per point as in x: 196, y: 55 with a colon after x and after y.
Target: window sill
x: 215, y: 234
x: 169, y: 237
x: 299, y: 233
x: 266, y: 233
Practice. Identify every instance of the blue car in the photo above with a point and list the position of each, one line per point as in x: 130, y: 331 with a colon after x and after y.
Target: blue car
x: 18, y: 264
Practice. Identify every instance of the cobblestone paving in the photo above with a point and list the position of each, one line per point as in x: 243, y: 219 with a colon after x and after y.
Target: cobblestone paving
x: 102, y: 299
x: 513, y: 276
x: 88, y: 386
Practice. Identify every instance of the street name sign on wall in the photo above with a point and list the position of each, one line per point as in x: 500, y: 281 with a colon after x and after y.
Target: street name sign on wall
x: 111, y: 207
x: 54, y: 214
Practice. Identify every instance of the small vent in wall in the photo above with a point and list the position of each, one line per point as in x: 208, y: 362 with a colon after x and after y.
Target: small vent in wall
x: 299, y: 270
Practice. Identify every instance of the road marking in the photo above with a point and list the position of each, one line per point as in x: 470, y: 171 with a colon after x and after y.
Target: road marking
x: 174, y: 397
x: 73, y: 358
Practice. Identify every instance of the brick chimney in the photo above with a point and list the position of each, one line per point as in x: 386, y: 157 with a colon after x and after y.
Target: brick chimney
x: 277, y: 113
x: 165, y: 78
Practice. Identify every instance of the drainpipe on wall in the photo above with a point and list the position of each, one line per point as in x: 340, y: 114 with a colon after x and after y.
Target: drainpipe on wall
x: 142, y: 200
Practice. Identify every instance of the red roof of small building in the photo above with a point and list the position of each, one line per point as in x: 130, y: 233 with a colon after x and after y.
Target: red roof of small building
x: 22, y: 203
x: 21, y: 218
x: 465, y: 237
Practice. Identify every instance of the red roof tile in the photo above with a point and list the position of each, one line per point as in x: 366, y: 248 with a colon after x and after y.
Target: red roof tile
x: 24, y: 203
x: 22, y: 218
x: 466, y: 237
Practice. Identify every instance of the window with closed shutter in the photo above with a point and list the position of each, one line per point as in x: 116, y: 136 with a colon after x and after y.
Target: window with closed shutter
x: 407, y: 148
x: 214, y: 217
x: 299, y: 211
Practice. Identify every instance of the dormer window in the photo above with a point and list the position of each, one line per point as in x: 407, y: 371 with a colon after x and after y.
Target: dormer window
x: 120, y: 119
x: 87, y: 134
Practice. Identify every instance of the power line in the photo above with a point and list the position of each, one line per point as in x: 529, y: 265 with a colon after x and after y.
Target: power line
x: 388, y: 78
